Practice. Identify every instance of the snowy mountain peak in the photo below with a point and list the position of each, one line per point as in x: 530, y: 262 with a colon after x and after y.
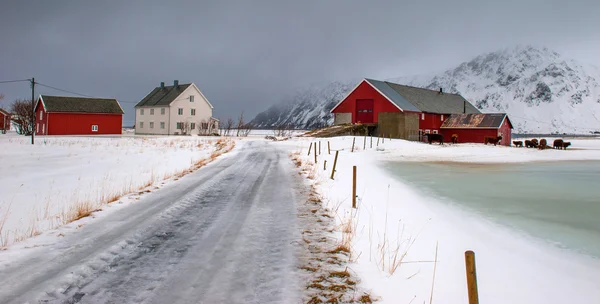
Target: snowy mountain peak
x: 542, y: 92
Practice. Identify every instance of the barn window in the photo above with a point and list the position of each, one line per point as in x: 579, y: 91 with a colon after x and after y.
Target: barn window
x: 193, y: 112
x: 442, y: 117
x: 435, y: 131
x: 94, y: 128
x: 191, y: 98
x: 141, y: 124
x: 162, y: 111
x: 151, y: 125
x: 192, y: 126
x: 43, y: 128
x: 422, y: 116
x: 151, y: 111
x: 141, y: 111
x: 427, y: 131
x: 37, y: 128
x: 41, y: 115
x: 180, y: 111
x: 162, y: 125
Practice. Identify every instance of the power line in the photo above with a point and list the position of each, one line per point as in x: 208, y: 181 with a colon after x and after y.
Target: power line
x: 66, y: 91
x: 11, y: 81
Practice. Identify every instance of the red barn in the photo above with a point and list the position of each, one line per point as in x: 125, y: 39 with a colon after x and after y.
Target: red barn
x: 60, y: 115
x: 473, y: 128
x: 4, y: 121
x: 399, y: 111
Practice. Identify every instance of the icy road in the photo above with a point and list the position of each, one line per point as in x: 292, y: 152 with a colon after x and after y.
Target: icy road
x: 224, y: 234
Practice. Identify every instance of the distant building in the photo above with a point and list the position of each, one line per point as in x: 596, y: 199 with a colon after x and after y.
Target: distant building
x: 4, y: 121
x: 474, y: 128
x: 61, y: 115
x: 180, y: 109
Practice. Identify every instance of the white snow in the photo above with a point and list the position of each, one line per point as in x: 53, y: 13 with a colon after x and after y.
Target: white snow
x: 394, y: 218
x: 41, y: 183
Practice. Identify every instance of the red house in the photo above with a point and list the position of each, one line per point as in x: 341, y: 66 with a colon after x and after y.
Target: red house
x: 4, y: 121
x: 398, y: 110
x: 474, y: 128
x: 60, y: 115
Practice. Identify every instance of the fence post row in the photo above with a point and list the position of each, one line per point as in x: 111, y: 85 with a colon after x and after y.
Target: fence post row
x: 334, y: 164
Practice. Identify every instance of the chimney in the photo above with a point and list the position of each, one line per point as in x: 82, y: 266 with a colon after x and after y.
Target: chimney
x: 441, y: 91
x: 176, y: 83
x: 162, y: 84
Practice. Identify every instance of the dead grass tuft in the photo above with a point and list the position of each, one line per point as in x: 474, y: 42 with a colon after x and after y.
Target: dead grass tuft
x: 365, y: 298
x: 340, y: 274
x: 316, y: 286
x: 339, y: 249
x: 309, y: 268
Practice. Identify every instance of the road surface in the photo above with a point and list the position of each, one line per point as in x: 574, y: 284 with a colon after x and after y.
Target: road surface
x: 224, y: 234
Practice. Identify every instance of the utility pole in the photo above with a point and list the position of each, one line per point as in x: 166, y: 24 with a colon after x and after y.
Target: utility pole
x: 32, y: 110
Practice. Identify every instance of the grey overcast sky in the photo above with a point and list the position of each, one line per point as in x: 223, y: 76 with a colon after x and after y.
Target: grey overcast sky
x: 247, y: 55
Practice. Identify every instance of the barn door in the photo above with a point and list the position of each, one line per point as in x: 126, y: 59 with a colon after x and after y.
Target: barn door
x: 364, y: 110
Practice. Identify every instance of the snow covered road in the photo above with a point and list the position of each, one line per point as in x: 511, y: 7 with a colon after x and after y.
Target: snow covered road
x: 224, y: 234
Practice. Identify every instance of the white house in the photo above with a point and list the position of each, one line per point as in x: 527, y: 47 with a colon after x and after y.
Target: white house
x: 180, y: 109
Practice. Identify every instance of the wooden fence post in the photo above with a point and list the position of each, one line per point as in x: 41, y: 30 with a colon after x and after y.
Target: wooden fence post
x: 309, y: 148
x: 319, y: 147
x: 334, y: 163
x: 365, y: 143
x: 378, y: 140
x: 382, y: 138
x: 353, y: 140
x: 371, y: 141
x: 471, y: 277
x: 354, y: 187
x: 315, y: 153
x: 328, y: 148
x: 324, y: 165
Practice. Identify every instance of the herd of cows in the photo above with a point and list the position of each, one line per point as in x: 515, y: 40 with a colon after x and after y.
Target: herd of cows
x: 543, y: 144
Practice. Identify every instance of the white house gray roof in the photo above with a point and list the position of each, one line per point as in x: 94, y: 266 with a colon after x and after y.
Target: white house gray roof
x: 162, y: 96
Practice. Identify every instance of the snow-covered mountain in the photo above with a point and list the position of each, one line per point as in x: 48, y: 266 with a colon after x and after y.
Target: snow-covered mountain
x: 540, y: 90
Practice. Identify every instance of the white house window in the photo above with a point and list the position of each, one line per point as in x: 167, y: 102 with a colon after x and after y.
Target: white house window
x: 151, y: 111
x: 442, y: 117
x: 141, y: 124
x: 435, y: 131
x: 151, y: 125
x: 422, y: 116
x: 193, y: 112
x: 94, y: 128
x: 41, y: 115
x: 191, y: 98
x: 162, y: 111
x: 192, y: 126
x: 180, y: 111
x: 141, y: 111
x: 179, y: 126
x: 162, y: 125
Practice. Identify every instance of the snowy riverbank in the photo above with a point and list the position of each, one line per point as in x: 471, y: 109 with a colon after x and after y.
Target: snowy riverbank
x: 397, y: 229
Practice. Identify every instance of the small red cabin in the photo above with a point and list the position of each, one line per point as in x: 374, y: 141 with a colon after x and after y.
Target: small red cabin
x: 473, y: 128
x: 60, y: 115
x: 4, y: 121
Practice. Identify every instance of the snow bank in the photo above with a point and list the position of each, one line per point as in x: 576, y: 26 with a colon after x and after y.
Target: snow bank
x: 41, y: 184
x: 398, y: 228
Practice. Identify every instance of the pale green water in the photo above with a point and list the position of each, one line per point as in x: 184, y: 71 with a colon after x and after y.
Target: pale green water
x: 555, y: 201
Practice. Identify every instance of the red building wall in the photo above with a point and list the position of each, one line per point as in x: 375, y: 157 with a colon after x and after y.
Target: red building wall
x: 81, y: 123
x: 365, y: 91
x: 430, y: 121
x: 4, y: 118
x: 478, y: 135
x: 41, y: 125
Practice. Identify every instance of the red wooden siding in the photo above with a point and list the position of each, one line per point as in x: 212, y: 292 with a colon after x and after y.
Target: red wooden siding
x: 41, y: 125
x: 432, y: 121
x: 478, y: 135
x: 81, y: 124
x: 4, y: 121
x: 364, y: 110
x: 365, y: 91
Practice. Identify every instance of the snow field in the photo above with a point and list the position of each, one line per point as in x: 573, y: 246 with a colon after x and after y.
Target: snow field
x: 61, y: 179
x: 397, y: 229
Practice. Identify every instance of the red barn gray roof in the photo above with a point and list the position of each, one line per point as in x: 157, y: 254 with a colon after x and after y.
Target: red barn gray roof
x: 80, y: 104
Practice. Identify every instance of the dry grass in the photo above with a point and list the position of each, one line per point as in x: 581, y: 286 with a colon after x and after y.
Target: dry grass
x: 340, y: 274
x: 365, y: 298
x: 341, y: 248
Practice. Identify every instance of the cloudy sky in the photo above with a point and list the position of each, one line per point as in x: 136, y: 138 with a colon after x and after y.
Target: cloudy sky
x: 247, y: 55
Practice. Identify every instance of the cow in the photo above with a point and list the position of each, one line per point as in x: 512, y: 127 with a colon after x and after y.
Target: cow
x: 531, y: 143
x: 543, y: 144
x: 492, y: 140
x: 558, y: 144
x: 566, y: 144
x: 454, y: 138
x: 435, y: 137
x: 518, y: 143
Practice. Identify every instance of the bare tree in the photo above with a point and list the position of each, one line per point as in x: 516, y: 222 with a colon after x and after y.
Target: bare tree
x: 22, y: 110
x: 228, y: 126
x: 240, y: 124
x: 204, y: 128
x: 282, y: 130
